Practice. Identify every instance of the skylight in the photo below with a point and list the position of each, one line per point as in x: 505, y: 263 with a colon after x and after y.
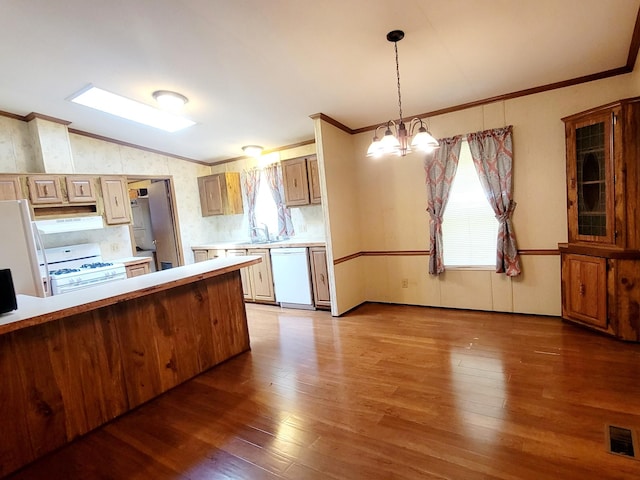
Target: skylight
x: 130, y: 109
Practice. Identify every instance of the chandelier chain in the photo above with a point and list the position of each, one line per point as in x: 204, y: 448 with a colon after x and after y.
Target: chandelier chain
x: 395, y: 44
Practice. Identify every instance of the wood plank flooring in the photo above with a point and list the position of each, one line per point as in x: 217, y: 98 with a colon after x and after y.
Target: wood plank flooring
x: 385, y: 392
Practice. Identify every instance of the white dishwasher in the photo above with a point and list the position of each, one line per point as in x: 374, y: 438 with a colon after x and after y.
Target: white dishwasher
x: 291, y: 277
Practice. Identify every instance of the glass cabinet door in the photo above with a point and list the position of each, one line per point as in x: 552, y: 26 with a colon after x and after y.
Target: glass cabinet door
x: 591, y: 185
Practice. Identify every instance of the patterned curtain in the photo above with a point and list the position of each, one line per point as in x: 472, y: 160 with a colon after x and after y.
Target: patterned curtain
x: 276, y: 183
x: 440, y: 168
x: 251, y: 181
x: 492, y: 153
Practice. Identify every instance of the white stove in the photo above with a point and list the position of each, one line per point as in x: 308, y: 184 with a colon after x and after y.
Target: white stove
x: 79, y: 266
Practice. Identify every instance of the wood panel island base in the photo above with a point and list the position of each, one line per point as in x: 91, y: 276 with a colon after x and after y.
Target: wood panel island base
x: 68, y: 366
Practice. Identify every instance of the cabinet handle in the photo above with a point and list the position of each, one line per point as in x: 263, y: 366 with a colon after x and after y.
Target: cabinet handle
x: 260, y: 276
x: 295, y: 182
x: 581, y: 289
x: 322, y: 278
x: 115, y: 199
x: 46, y: 190
x: 81, y: 189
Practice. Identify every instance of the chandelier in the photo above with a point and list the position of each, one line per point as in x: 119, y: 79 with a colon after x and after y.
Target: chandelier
x: 396, y: 135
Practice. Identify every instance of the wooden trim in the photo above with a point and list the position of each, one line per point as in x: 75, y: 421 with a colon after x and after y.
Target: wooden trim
x: 34, y: 115
x: 137, y: 147
x: 396, y: 253
x: 347, y: 258
x: 425, y: 253
x: 12, y: 115
x: 273, y: 150
x: 520, y: 93
x: 634, y: 46
x: 333, y: 122
x: 547, y: 251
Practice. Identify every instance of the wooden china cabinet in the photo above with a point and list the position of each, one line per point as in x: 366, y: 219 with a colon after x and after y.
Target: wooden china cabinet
x: 601, y: 261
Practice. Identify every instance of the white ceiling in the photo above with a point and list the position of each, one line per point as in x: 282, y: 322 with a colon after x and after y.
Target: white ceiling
x: 254, y: 70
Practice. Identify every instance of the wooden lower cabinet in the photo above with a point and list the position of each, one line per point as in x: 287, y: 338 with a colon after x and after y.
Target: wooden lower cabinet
x: 585, y: 289
x: 320, y: 277
x: 247, y: 292
x: 200, y: 255
x: 257, y: 280
x: 203, y: 254
x: 137, y: 269
x: 602, y: 292
x: 261, y: 276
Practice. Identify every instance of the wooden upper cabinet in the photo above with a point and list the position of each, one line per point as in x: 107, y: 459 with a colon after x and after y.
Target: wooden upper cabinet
x: 296, y: 182
x: 10, y: 188
x: 603, y: 175
x: 117, y: 209
x: 590, y: 177
x: 44, y: 189
x: 315, y: 196
x: 80, y: 189
x: 220, y: 194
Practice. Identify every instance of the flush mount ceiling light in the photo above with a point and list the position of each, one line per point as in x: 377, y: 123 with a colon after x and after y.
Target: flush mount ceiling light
x: 396, y: 135
x: 169, y: 99
x: 252, y: 150
x: 113, y: 104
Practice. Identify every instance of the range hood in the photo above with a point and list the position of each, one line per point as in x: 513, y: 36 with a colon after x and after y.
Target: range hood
x: 70, y: 224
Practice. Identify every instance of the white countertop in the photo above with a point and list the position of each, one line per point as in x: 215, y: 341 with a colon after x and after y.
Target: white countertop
x: 292, y: 242
x: 36, y: 310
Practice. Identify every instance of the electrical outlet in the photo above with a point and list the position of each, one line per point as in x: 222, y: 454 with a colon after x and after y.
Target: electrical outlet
x: 115, y: 247
x: 405, y: 283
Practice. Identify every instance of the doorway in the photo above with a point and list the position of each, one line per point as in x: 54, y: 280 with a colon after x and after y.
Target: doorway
x: 154, y: 230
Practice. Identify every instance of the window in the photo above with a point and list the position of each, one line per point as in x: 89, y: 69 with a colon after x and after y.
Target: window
x: 266, y: 210
x: 469, y: 226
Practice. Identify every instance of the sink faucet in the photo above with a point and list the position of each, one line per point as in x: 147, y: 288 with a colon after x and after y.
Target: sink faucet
x: 264, y: 230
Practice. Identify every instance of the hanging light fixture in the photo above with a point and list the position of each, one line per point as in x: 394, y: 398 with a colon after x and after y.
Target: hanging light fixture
x: 396, y: 135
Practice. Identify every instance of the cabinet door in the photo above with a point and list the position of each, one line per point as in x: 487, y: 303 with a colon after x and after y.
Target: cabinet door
x: 244, y: 273
x: 137, y: 270
x: 262, y: 276
x: 585, y: 289
x: 10, y: 188
x: 220, y: 194
x: 200, y: 255
x: 315, y: 196
x: 116, y: 200
x: 210, y: 190
x: 44, y: 189
x: 320, y: 279
x: 80, y: 190
x: 590, y: 190
x: 296, y: 183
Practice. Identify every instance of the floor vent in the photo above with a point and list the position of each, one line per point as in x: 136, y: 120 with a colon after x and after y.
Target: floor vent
x: 622, y: 441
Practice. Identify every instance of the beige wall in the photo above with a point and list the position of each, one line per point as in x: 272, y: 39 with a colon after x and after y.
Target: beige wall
x: 388, y: 196
x: 343, y: 215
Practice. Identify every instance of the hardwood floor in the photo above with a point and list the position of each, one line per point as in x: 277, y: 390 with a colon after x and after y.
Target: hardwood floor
x: 385, y: 392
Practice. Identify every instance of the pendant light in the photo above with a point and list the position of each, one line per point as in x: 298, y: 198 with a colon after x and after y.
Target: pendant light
x: 396, y: 135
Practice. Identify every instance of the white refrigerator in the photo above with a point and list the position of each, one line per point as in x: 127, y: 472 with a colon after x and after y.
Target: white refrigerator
x: 18, y: 251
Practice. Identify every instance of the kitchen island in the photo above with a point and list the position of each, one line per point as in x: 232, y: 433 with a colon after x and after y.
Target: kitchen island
x: 72, y: 362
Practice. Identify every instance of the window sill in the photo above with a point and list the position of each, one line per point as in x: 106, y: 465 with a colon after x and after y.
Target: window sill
x: 488, y: 268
